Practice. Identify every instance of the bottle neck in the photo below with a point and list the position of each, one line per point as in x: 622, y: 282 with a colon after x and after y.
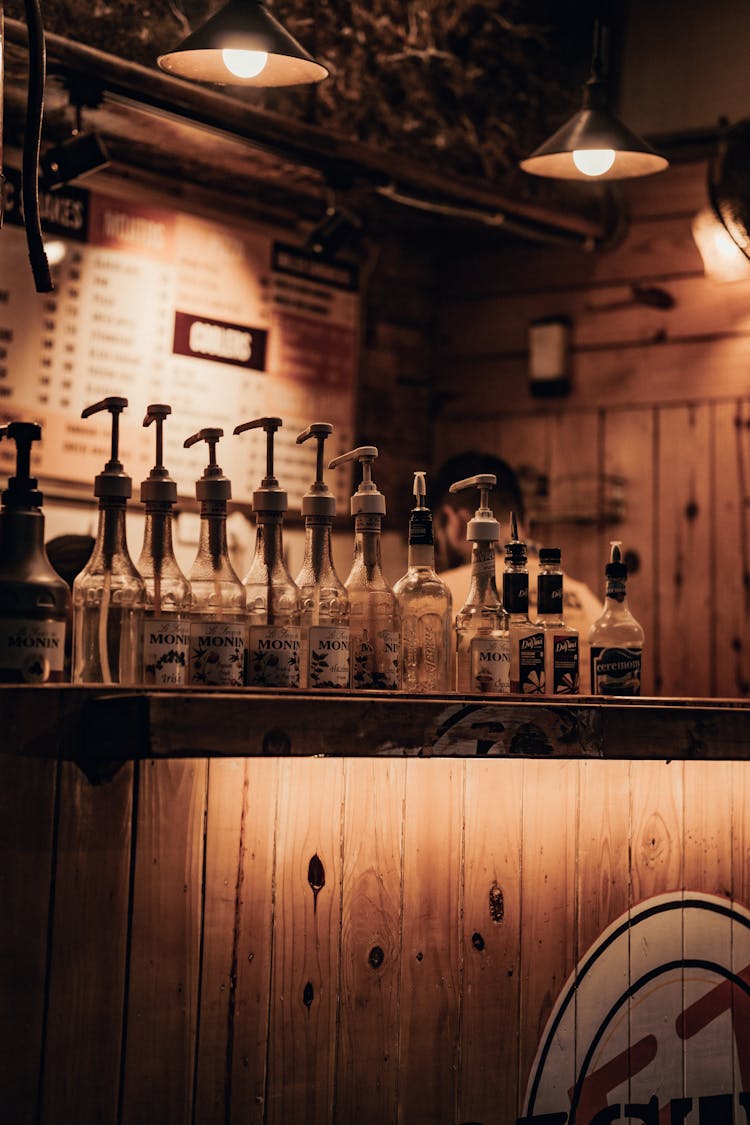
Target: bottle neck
x: 318, y: 558
x: 367, y: 542
x: 483, y: 583
x: 616, y: 593
x: 111, y: 536
x: 213, y: 531
x: 157, y: 534
x: 21, y: 535
x: 421, y: 555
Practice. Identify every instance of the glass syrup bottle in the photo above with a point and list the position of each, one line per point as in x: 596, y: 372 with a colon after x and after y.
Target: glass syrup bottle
x: 375, y: 621
x: 271, y: 596
x: 166, y: 627
x: 426, y: 607
x: 482, y: 645
x: 109, y: 595
x: 324, y: 616
x: 527, y: 670
x: 218, y: 625
x: 616, y: 638
x: 561, y: 652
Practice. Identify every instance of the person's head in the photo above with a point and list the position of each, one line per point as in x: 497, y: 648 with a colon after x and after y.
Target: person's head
x: 453, y: 510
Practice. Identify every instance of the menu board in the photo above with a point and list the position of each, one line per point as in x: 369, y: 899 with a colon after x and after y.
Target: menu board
x: 223, y: 322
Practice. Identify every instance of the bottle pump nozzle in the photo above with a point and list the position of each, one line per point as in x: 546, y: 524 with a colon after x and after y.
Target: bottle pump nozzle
x: 420, y: 488
x: 22, y: 491
x: 159, y: 488
x: 484, y: 527
x: 113, y: 482
x: 515, y: 548
x: 270, y: 497
x: 213, y: 485
x: 615, y: 568
x: 367, y: 499
x: 319, y: 500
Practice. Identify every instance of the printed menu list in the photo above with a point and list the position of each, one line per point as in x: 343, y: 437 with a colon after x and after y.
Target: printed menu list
x: 224, y: 323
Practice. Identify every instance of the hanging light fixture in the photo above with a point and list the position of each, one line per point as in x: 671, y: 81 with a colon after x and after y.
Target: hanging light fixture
x: 594, y: 144
x: 243, y: 44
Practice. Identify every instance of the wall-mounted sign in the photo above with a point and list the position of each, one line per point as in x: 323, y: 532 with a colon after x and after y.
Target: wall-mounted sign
x: 654, y: 1024
x: 223, y: 322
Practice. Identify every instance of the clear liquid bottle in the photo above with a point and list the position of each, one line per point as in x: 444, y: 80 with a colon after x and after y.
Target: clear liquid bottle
x: 166, y: 627
x: 616, y: 638
x: 482, y: 645
x: 426, y: 608
x: 561, y: 653
x: 272, y: 598
x: 109, y: 595
x: 218, y: 625
x: 34, y: 600
x: 375, y: 621
x: 324, y: 602
x: 527, y: 670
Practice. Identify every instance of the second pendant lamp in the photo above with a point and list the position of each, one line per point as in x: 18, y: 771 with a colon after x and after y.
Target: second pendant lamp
x: 594, y: 144
x: 243, y: 44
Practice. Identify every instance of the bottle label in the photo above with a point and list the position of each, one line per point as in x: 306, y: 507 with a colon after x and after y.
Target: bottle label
x: 217, y: 653
x: 616, y: 671
x: 375, y: 660
x: 483, y: 560
x: 367, y: 522
x: 273, y: 656
x: 424, y: 653
x: 516, y: 592
x: 565, y: 671
x: 490, y: 665
x: 31, y: 652
x: 166, y: 650
x: 550, y: 593
x: 328, y: 657
x: 530, y: 664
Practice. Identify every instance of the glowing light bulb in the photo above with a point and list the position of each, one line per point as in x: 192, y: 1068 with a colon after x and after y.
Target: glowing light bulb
x: 244, y: 64
x: 593, y: 161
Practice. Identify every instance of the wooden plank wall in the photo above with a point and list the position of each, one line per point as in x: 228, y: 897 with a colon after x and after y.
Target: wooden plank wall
x: 659, y: 396
x: 331, y: 941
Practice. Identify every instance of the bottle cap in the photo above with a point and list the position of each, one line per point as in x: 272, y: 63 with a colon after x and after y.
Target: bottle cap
x: 420, y: 519
x: 318, y: 500
x: 367, y: 500
x: 616, y: 568
x: 22, y: 491
x: 515, y: 550
x: 213, y: 485
x: 113, y: 482
x: 158, y: 488
x: 270, y: 497
x: 484, y: 528
x: 550, y: 556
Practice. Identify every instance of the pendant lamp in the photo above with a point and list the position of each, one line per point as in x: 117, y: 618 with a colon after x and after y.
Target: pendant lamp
x: 243, y: 44
x: 594, y: 144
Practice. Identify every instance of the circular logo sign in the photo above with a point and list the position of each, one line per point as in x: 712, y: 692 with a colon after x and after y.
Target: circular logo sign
x: 654, y: 1024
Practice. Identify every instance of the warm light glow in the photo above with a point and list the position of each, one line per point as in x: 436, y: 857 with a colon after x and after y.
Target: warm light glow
x: 244, y: 64
x: 55, y: 250
x: 594, y: 161
x: 722, y: 258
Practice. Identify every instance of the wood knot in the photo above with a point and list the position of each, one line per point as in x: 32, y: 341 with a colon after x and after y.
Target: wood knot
x: 420, y: 955
x: 376, y: 957
x: 477, y: 941
x: 497, y: 904
x: 316, y: 877
x: 308, y: 995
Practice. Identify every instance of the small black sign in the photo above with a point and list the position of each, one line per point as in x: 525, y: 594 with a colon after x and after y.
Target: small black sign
x: 219, y: 341
x: 296, y: 262
x: 64, y: 212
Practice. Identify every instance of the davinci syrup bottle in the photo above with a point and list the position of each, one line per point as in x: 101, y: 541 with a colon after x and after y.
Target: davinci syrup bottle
x: 34, y: 600
x: 561, y: 670
x: 527, y: 674
x: 616, y: 638
x: 218, y: 630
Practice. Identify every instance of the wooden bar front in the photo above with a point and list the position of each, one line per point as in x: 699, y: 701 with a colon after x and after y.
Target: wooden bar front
x: 289, y: 908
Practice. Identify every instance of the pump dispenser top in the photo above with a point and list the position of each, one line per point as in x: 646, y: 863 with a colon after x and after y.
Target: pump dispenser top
x: 367, y: 500
x: 484, y: 528
x: 318, y: 500
x: 213, y: 485
x: 22, y: 490
x: 158, y: 488
x: 113, y: 482
x: 270, y: 498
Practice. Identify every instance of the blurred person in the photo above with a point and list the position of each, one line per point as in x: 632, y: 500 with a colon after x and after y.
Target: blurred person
x: 452, y: 512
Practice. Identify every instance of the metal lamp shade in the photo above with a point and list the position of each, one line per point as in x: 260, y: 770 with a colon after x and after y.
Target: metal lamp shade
x: 243, y: 25
x: 593, y: 128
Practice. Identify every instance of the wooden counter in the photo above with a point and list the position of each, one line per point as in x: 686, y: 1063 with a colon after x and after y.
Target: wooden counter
x: 244, y: 907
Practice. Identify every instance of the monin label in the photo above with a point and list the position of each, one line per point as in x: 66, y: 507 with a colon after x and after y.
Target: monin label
x: 166, y: 650
x: 217, y: 653
x: 274, y: 655
x: 530, y: 665
x: 490, y: 665
x: 375, y: 660
x: 565, y: 675
x: 31, y: 652
x: 328, y: 655
x: 616, y: 671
